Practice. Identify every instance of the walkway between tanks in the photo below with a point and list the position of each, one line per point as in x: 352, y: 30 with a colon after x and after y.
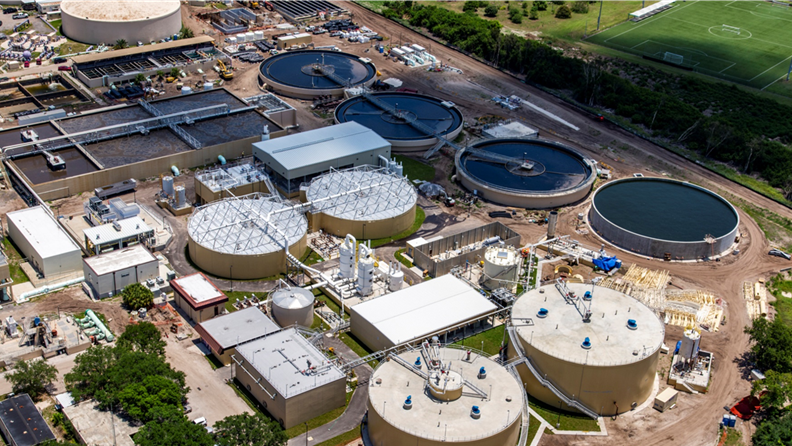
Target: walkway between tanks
x: 353, y: 414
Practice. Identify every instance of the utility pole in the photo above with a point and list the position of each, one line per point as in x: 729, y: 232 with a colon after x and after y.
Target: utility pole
x: 599, y: 16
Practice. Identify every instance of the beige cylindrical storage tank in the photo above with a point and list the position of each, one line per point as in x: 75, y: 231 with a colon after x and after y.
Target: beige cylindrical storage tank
x: 501, y: 267
x: 455, y: 404
x: 106, y: 21
x: 231, y: 238
x: 292, y: 306
x: 607, y: 364
x: 375, y: 203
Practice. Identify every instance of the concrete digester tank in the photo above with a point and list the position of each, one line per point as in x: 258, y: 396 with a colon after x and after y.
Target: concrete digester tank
x: 364, y: 201
x: 106, y: 21
x: 501, y: 267
x: 664, y: 218
x: 244, y: 237
x: 293, y: 305
x: 529, y: 173
x: 403, y: 119
x: 608, y: 363
x: 429, y: 400
x: 310, y: 73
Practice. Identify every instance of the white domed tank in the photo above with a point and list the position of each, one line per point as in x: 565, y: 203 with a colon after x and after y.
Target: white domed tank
x: 365, y: 279
x: 396, y: 277
x: 208, y: 86
x: 186, y: 90
x: 293, y: 306
x: 346, y: 257
x: 167, y: 185
x: 501, y: 267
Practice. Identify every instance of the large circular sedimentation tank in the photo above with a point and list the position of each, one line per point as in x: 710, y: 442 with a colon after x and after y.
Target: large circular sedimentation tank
x: 661, y: 218
x: 106, y: 21
x: 529, y: 173
x: 310, y: 73
x: 366, y: 202
x: 614, y: 371
x: 401, y: 118
x: 293, y: 306
x: 231, y: 238
x: 440, y: 410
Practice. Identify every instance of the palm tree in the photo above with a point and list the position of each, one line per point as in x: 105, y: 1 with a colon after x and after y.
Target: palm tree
x: 186, y: 33
x: 120, y: 44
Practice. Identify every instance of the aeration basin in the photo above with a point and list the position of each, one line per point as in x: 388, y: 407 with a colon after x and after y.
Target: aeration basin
x: 527, y: 173
x: 664, y: 218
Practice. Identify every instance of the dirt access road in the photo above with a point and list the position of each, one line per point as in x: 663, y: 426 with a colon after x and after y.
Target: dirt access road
x: 695, y: 420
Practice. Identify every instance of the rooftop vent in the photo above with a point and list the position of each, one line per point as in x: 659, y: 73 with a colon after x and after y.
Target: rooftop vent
x: 417, y: 364
x: 542, y: 313
x: 586, y: 344
x: 587, y: 296
x: 408, y: 403
x: 632, y: 324
x: 482, y: 373
x: 475, y: 413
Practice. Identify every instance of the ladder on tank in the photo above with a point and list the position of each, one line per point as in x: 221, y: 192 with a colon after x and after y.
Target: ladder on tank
x: 573, y: 299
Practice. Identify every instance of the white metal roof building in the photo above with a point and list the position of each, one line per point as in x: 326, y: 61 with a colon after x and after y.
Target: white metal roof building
x: 117, y: 235
x: 196, y: 295
x: 231, y: 237
x: 222, y: 334
x: 295, y: 159
x: 435, y: 307
x: 109, y: 273
x: 290, y: 377
x: 43, y: 242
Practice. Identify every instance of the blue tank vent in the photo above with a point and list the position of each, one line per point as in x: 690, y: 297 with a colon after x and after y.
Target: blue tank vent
x: 408, y: 403
x: 586, y: 344
x: 482, y: 373
x: 632, y: 324
x: 475, y: 412
x: 417, y: 364
x: 543, y: 312
x: 587, y: 295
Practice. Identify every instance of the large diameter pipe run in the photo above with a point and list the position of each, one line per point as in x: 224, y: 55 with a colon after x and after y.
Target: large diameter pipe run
x: 108, y: 335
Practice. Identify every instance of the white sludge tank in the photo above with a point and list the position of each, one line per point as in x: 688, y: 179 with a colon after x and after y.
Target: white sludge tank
x: 501, y: 267
x: 440, y: 395
x: 604, y: 364
x: 293, y: 305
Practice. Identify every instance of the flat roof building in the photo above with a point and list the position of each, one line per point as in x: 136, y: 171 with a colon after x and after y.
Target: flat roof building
x: 290, y: 377
x: 295, y: 159
x: 198, y: 297
x: 435, y: 307
x: 22, y: 423
x: 222, y: 334
x: 117, y: 235
x: 513, y: 129
x: 107, y: 274
x: 44, y: 243
x: 95, y: 426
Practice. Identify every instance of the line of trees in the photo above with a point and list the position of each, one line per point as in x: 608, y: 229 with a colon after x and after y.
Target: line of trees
x: 719, y: 121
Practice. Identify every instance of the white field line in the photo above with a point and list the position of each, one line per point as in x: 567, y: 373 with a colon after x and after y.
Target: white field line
x: 659, y: 16
x: 765, y: 71
x: 771, y: 83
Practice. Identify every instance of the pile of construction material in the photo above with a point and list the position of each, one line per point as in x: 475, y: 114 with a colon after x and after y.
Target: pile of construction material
x: 755, y: 295
x: 693, y: 308
x: 646, y: 285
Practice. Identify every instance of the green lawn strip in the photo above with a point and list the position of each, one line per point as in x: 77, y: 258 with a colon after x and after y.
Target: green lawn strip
x: 340, y: 440
x: 420, y: 216
x: 733, y: 437
x: 400, y: 257
x: 14, y: 259
x: 214, y: 362
x: 321, y: 420
x: 233, y: 296
x: 311, y: 257
x: 331, y: 304
x: 492, y: 339
x: 533, y: 428
x: 569, y: 421
x: 416, y: 170
x: 75, y: 47
x: 358, y: 347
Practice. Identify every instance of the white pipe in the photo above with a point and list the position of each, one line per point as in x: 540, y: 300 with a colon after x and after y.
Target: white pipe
x: 316, y: 285
x: 46, y: 289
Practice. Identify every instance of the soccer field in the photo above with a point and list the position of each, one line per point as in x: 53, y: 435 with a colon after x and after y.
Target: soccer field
x: 741, y: 41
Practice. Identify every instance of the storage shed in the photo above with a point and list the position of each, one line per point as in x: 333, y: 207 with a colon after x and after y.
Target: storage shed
x: 666, y: 399
x: 107, y: 275
x: 197, y: 296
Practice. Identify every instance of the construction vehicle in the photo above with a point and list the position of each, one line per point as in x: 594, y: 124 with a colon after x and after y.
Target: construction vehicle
x: 225, y: 72
x: 170, y: 79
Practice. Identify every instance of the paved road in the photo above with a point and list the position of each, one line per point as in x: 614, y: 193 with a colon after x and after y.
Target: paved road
x: 357, y: 405
x: 64, y: 364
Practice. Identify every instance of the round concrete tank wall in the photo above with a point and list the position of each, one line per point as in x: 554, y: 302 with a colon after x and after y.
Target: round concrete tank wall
x: 292, y: 306
x: 404, y: 409
x: 310, y: 73
x: 106, y: 21
x: 397, y: 116
x: 529, y: 173
x: 617, y: 367
x: 231, y: 238
x: 664, y: 218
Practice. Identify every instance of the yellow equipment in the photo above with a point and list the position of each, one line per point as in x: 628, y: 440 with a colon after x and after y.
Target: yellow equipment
x: 225, y: 73
x: 170, y: 79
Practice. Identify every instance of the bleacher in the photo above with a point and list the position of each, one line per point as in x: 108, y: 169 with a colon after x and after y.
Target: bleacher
x: 651, y: 10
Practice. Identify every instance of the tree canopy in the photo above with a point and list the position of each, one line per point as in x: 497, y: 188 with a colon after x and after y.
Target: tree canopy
x: 137, y: 296
x: 143, y: 337
x: 249, y: 430
x: 32, y: 377
x: 774, y: 433
x: 174, y: 431
x: 772, y: 346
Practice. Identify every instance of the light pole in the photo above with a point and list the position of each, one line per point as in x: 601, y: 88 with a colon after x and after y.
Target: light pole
x: 231, y: 273
x: 306, y: 434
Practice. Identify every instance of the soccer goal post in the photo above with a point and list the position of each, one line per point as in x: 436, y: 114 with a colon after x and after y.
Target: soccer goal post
x: 674, y: 58
x: 731, y: 29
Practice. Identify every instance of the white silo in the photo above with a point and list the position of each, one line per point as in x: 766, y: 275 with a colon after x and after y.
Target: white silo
x: 167, y: 185
x: 208, y: 86
x: 396, y: 277
x: 265, y: 134
x: 293, y: 306
x: 249, y: 36
x: 346, y: 257
x: 259, y: 35
x: 241, y: 38
x: 501, y: 267
x: 181, y: 197
x: 690, y: 344
x: 365, y: 278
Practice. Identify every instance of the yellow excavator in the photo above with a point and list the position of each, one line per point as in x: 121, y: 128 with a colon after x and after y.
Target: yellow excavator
x: 225, y: 72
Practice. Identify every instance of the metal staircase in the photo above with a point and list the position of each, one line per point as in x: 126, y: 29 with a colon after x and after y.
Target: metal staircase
x: 408, y: 366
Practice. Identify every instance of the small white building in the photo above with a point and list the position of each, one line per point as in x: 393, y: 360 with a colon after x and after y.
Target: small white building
x: 47, y: 6
x: 223, y: 333
x: 117, y: 235
x: 43, y: 242
x: 108, y: 274
x: 439, y: 307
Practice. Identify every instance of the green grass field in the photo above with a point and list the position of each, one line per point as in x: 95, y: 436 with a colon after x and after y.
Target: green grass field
x: 757, y: 55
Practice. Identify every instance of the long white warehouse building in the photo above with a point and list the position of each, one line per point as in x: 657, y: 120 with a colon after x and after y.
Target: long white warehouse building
x: 43, y: 243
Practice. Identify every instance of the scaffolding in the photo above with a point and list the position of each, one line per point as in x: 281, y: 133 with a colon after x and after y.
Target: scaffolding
x: 693, y: 308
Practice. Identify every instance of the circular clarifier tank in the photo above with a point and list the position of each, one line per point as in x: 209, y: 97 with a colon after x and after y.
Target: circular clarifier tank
x: 311, y: 73
x: 404, y: 119
x: 664, y: 218
x: 529, y: 173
